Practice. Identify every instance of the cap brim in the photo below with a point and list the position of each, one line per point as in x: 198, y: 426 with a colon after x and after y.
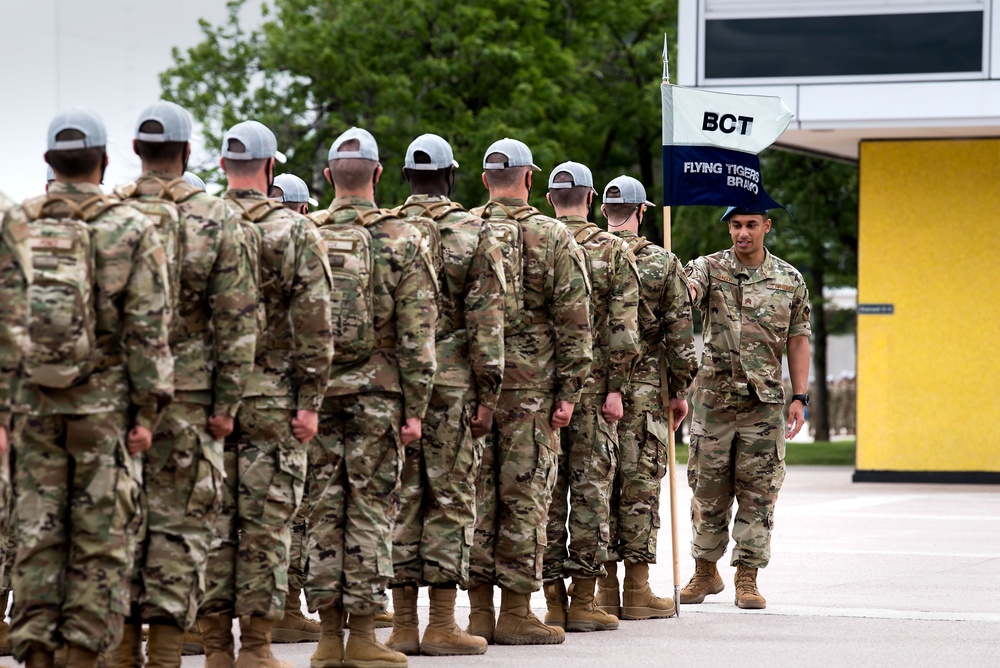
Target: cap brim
x: 280, y: 157
x: 648, y: 203
x: 535, y: 168
x: 313, y: 201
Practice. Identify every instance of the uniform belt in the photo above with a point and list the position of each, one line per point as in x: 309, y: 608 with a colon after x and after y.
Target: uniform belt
x: 386, y: 342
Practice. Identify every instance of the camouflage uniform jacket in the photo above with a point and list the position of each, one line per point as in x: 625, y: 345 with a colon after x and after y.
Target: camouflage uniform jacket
x: 664, y: 317
x: 293, y: 356
x: 213, y: 326
x: 614, y: 301
x: 469, y: 337
x: 132, y: 307
x: 405, y: 308
x: 747, y: 320
x: 548, y: 345
x: 15, y: 275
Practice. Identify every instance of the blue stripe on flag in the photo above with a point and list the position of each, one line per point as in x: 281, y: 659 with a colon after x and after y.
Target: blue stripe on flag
x: 713, y: 177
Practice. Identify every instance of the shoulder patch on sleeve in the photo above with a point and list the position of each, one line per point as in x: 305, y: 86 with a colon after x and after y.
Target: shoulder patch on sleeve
x: 159, y: 255
x: 19, y: 230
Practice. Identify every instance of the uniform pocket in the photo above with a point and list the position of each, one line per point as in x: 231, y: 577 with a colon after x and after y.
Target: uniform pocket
x: 657, y: 438
x: 206, y: 492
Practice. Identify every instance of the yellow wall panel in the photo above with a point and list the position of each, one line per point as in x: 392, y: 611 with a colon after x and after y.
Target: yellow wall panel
x: 929, y: 375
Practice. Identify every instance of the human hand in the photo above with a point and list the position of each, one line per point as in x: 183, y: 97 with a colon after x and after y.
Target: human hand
x: 140, y: 439
x: 220, y: 426
x: 796, y: 418
x: 612, y: 408
x: 410, y: 431
x: 305, y: 424
x: 482, y: 421
x: 679, y: 409
x: 3, y: 440
x: 562, y: 414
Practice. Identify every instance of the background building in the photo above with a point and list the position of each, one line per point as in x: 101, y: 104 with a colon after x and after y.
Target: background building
x: 910, y: 89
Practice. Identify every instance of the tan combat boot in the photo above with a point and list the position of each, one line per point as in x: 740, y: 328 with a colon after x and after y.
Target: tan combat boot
x: 405, y: 637
x: 583, y: 614
x: 706, y: 580
x: 294, y: 626
x: 130, y: 649
x: 364, y: 651
x: 217, y: 632
x: 517, y: 625
x: 608, y: 590
x: 638, y: 600
x: 78, y: 656
x: 383, y: 620
x: 443, y: 637
x: 747, y: 595
x: 255, y: 644
x: 164, y: 647
x: 39, y: 657
x: 193, y: 643
x: 556, y: 603
x: 330, y: 650
x: 482, y: 616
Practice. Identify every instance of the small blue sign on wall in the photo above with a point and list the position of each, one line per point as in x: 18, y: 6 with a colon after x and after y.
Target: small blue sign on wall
x: 876, y: 309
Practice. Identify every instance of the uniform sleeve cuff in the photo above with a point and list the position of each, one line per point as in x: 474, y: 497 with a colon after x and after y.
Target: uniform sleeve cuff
x: 229, y: 410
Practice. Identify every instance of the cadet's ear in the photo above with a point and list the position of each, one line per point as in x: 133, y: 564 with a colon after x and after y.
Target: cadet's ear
x: 485, y: 184
x: 548, y: 198
x: 767, y: 226
x: 327, y: 176
x: 135, y: 146
x: 603, y: 212
x: 378, y: 173
x: 222, y: 164
x: 187, y: 153
x: 406, y: 174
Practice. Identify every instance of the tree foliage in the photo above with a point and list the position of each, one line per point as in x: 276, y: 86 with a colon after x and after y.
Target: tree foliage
x: 575, y: 80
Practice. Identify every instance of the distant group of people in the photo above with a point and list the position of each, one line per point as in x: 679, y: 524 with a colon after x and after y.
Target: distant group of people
x: 217, y: 404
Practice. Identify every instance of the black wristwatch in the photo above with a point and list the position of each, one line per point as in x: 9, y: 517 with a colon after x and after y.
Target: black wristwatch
x: 804, y: 398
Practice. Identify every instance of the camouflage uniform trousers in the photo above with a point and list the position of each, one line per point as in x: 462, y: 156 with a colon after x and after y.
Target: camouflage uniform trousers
x: 355, y: 467
x: 8, y: 525
x: 588, y: 459
x: 298, y: 553
x: 737, y: 451
x: 643, y: 461
x: 513, y: 492
x: 265, y: 467
x: 183, y: 478
x: 78, y: 500
x: 437, y: 497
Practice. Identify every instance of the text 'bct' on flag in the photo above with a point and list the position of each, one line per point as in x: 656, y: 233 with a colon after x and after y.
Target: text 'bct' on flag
x: 710, y: 146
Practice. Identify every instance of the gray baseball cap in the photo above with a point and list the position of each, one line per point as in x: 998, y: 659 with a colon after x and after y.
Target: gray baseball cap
x: 367, y: 146
x: 517, y: 152
x: 83, y: 120
x: 176, y: 122
x: 434, y: 146
x: 631, y: 191
x: 581, y: 176
x: 194, y: 180
x: 293, y: 189
x: 257, y: 139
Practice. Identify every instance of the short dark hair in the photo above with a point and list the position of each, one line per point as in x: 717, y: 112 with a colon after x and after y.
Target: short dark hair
x: 352, y: 173
x: 158, y: 153
x: 427, y: 179
x: 242, y: 168
x: 509, y: 177
x: 76, y: 162
x: 618, y: 213
x: 568, y: 197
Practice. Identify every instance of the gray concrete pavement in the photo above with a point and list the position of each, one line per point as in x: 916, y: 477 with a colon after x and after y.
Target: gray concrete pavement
x: 861, y: 575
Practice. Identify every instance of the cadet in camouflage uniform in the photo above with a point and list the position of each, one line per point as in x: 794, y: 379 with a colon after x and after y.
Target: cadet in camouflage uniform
x: 588, y: 457
x: 77, y: 467
x: 547, y: 357
x: 265, y: 458
x: 752, y: 305
x: 212, y: 334
x: 15, y: 275
x: 356, y: 463
x: 668, y: 358
x: 437, y: 498
x: 294, y: 627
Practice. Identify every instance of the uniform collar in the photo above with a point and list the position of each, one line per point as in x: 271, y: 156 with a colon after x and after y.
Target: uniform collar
x: 508, y: 201
x: 244, y: 193
x: 352, y: 201
x: 736, y: 267
x: 573, y: 219
x: 61, y: 188
x: 414, y: 199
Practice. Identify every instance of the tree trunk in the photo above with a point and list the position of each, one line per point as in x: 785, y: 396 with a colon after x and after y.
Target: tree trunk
x: 819, y: 413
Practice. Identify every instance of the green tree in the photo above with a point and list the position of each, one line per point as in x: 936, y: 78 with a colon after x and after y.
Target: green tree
x: 820, y: 239
x: 574, y: 80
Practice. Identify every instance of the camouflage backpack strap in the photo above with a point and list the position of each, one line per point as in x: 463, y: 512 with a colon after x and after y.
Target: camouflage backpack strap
x: 259, y: 210
x: 370, y: 217
x: 586, y: 233
x: 59, y: 206
x: 640, y: 243
x: 523, y: 213
x: 439, y: 210
x: 177, y: 190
